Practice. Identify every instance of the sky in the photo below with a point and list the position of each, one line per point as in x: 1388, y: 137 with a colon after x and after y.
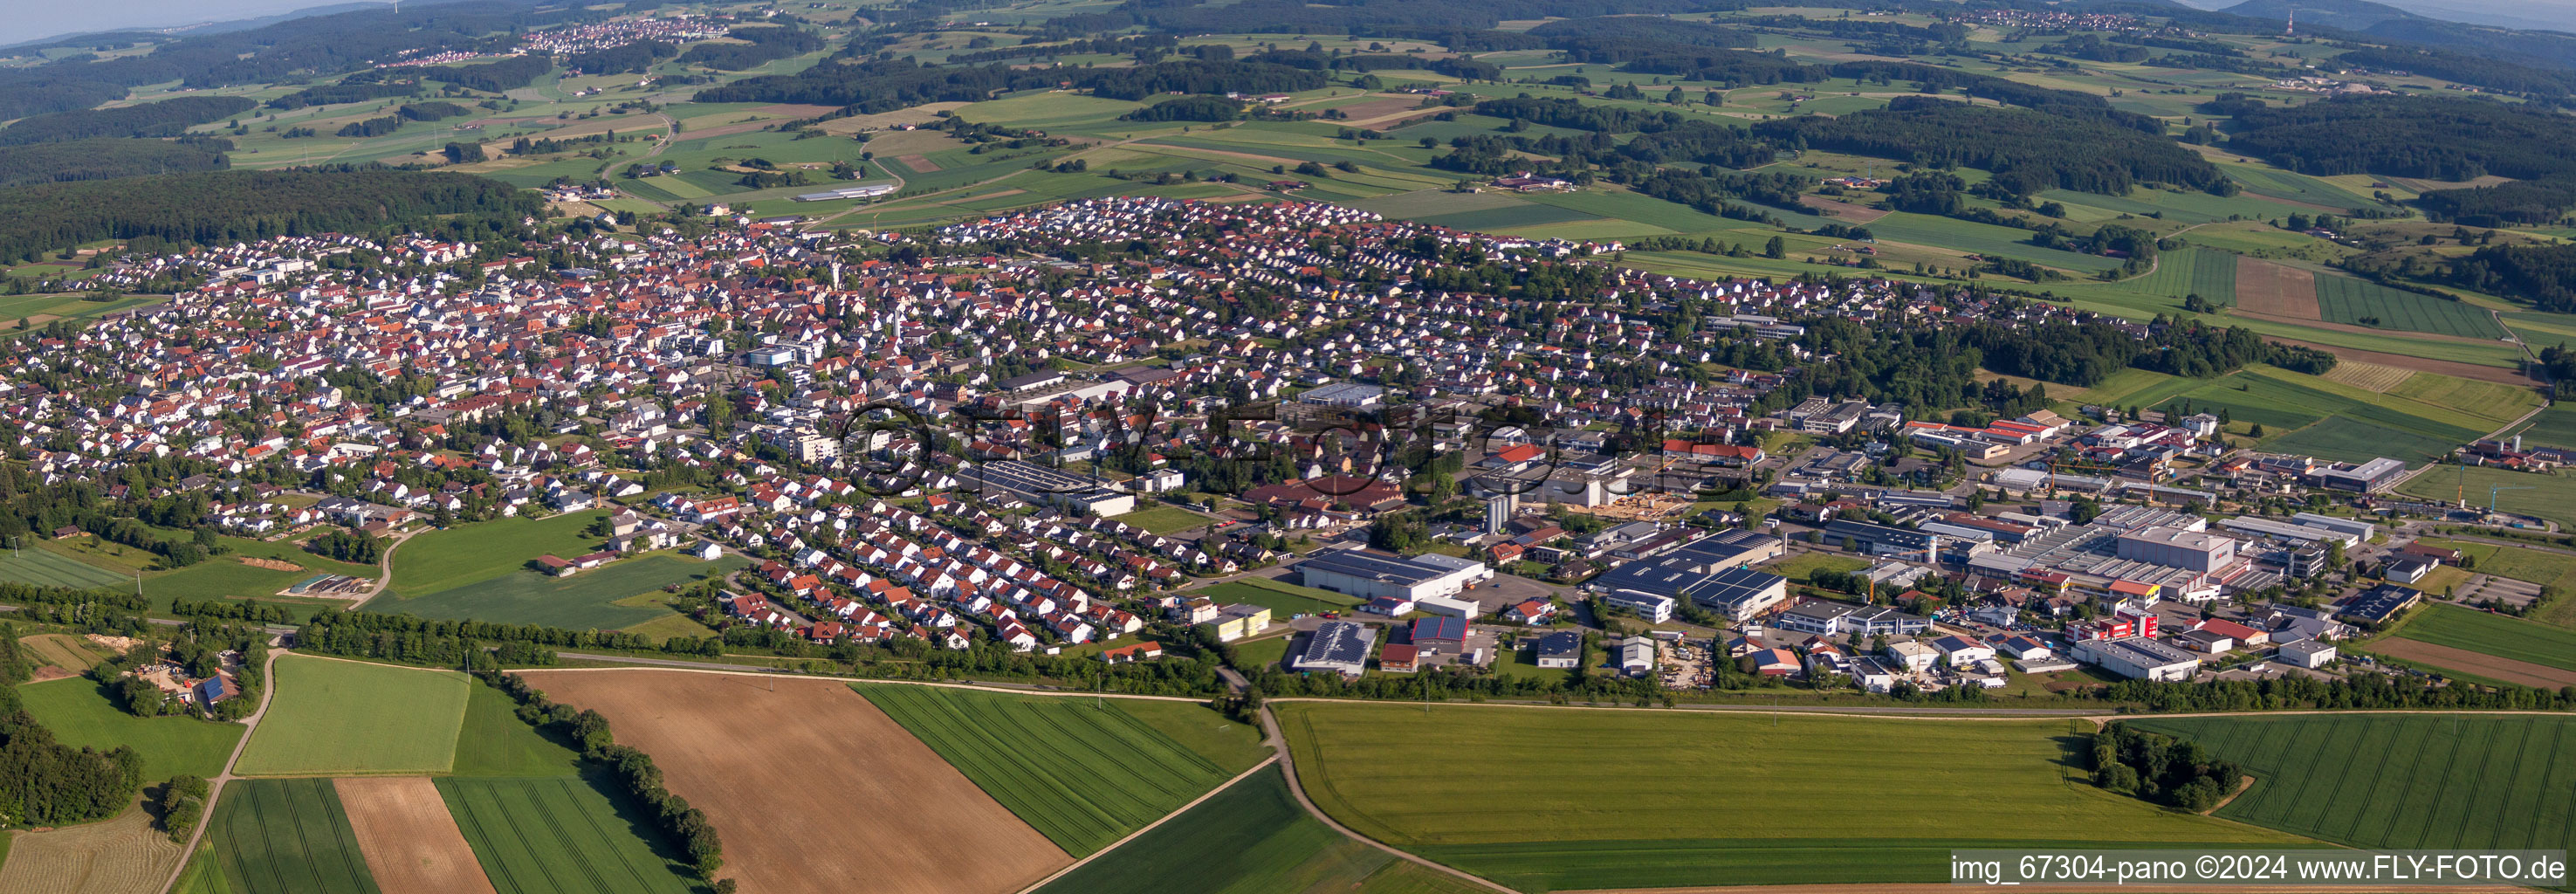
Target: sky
x: 35, y: 19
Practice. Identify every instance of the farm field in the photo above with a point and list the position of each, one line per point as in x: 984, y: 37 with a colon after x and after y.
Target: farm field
x: 1251, y: 837
x: 857, y: 775
x: 1662, y: 809
x: 493, y: 741
x: 287, y: 836
x: 1282, y: 599
x: 2399, y: 781
x: 1165, y: 519
x: 81, y: 715
x: 2343, y: 299
x: 1082, y: 773
x: 46, y: 568
x: 228, y: 577
x: 334, y: 717
x: 543, y: 836
x: 2502, y: 636
x: 1234, y: 747
x: 588, y: 600
x: 124, y: 854
x: 2551, y: 496
x: 441, y: 560
x: 410, y: 843
x: 2554, y: 427
x: 2308, y: 414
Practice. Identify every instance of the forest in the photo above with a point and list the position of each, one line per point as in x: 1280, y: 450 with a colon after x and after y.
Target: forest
x: 494, y: 77
x: 167, y: 118
x: 107, y: 158
x: 2155, y: 767
x: 2436, y: 137
x: 227, y: 206
x: 633, y: 58
x: 2537, y: 202
x: 2544, y: 275
x: 351, y: 90
x: 1189, y: 108
x: 46, y: 783
x: 888, y: 84
x: 2026, y: 151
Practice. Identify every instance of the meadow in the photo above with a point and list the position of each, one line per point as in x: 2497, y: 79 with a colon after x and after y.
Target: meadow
x: 288, y: 836
x: 1251, y: 837
x: 227, y: 577
x: 1080, y: 772
x: 1166, y: 519
x: 335, y: 717
x: 2399, y: 780
x: 1657, y: 806
x: 494, y: 742
x: 588, y: 600
x: 2552, y: 570
x: 81, y: 715
x: 2502, y: 636
x: 2554, y: 427
x: 1282, y: 599
x: 126, y: 854
x: 69, y: 653
x: 541, y: 836
x: 468, y: 553
x: 2307, y: 414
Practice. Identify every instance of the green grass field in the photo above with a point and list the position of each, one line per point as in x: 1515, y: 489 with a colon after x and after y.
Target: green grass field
x: 1080, y: 772
x: 81, y: 715
x: 341, y: 718
x: 442, y: 560
x: 2502, y: 636
x: 587, y: 600
x: 1166, y: 519
x: 288, y: 836
x: 1252, y: 837
x: 1281, y: 598
x: 46, y: 568
x: 1798, y: 567
x: 2549, y: 496
x: 1233, y: 747
x: 2343, y: 299
x: 543, y: 836
x: 1657, y: 804
x: 493, y: 741
x: 2399, y: 781
x: 2554, y: 427
x: 2556, y: 571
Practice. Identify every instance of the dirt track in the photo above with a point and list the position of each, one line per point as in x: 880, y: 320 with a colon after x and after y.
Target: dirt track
x: 813, y: 789
x: 2479, y: 663
x: 411, y: 844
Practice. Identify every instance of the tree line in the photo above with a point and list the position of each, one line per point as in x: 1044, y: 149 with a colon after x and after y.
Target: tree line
x: 2441, y: 138
x: 44, y: 782
x: 682, y: 824
x: 167, y: 118
x: 108, y: 158
x: 2026, y: 152
x: 763, y: 44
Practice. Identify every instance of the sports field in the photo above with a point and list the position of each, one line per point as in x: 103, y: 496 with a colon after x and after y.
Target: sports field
x: 2503, y: 636
x: 542, y: 836
x: 588, y: 600
x: 333, y: 717
x: 441, y: 560
x: 81, y: 715
x: 817, y: 770
x: 1082, y: 772
x: 2400, y: 780
x: 1658, y: 804
x: 288, y: 836
x: 1283, y: 599
x: 45, y: 568
x: 1252, y: 837
x: 1166, y: 519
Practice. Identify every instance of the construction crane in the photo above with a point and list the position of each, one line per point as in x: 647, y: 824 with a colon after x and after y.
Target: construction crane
x: 2491, y: 495
x: 2460, y: 488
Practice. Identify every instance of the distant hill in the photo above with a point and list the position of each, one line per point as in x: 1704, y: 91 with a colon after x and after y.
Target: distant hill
x: 2380, y: 21
x: 2350, y: 15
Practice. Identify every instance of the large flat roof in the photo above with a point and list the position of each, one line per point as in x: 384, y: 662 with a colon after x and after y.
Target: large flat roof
x: 1338, y: 642
x: 1372, y: 566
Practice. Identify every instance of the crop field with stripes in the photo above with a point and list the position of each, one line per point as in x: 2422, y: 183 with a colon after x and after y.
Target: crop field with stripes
x: 1083, y: 774
x: 2404, y: 781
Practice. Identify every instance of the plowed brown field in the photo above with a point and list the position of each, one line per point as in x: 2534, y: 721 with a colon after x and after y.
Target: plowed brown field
x: 813, y: 789
x: 411, y: 843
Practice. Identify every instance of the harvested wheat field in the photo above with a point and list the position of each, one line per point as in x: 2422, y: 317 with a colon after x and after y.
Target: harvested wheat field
x: 2368, y: 376
x: 2277, y: 290
x: 810, y: 785
x: 124, y: 855
x: 410, y: 842
x: 2492, y: 667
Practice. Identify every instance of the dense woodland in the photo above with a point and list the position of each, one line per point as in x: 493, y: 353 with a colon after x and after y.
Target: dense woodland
x: 2530, y: 202
x: 108, y: 158
x: 885, y: 85
x: 2544, y: 275
x: 2027, y: 152
x: 762, y: 45
x: 167, y: 118
x: 2438, y: 137
x: 227, y: 206
x: 2160, y: 768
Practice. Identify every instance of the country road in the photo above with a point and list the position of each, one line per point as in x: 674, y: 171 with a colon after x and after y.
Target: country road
x: 215, y: 786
